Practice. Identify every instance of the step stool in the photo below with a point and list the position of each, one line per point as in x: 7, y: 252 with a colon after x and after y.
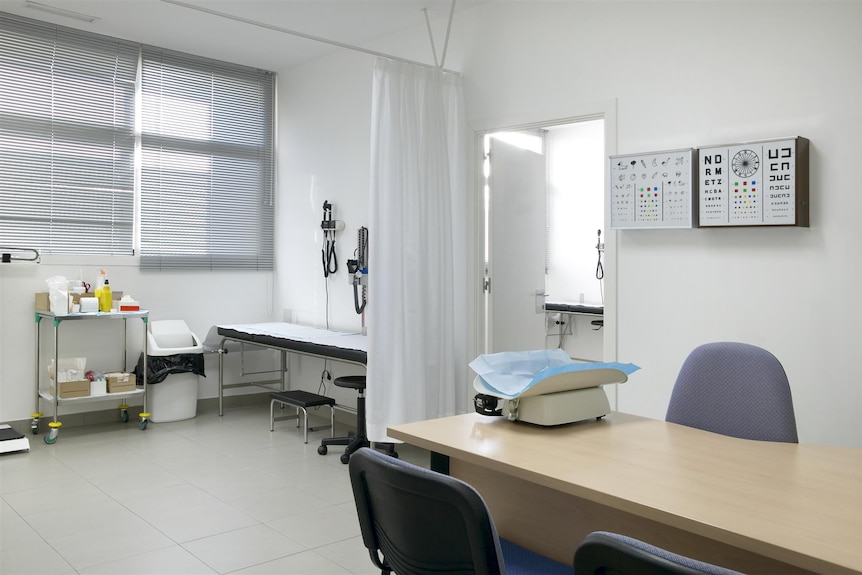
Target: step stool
x: 301, y: 400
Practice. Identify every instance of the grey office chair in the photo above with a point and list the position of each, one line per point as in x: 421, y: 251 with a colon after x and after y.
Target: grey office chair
x: 734, y: 389
x: 604, y: 553
x: 419, y: 522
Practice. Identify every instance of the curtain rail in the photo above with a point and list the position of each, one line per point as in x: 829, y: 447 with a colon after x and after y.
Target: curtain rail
x: 303, y: 34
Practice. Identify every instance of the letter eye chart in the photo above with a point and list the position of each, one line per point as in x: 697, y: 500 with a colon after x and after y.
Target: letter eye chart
x: 761, y: 183
x: 652, y: 190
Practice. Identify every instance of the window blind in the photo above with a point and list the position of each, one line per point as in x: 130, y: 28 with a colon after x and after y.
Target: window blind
x: 66, y: 139
x: 207, y: 164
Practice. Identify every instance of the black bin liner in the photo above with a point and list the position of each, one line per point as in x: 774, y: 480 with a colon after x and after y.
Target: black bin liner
x: 160, y: 367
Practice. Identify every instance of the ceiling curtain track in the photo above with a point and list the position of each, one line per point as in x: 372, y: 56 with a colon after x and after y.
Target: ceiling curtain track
x: 318, y: 38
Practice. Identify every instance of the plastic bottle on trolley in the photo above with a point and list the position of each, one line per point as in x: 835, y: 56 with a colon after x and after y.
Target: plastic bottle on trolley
x: 103, y: 292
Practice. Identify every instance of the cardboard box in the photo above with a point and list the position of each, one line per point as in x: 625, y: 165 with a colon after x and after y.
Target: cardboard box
x: 42, y: 301
x: 119, y: 382
x: 69, y: 389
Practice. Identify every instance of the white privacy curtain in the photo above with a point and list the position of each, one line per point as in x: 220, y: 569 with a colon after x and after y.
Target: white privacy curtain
x: 417, y: 312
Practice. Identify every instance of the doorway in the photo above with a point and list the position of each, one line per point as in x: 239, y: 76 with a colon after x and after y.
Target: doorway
x: 569, y: 195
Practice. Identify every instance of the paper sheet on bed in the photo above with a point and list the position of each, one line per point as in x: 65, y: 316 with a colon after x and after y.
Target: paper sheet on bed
x: 343, y: 340
x: 511, y: 373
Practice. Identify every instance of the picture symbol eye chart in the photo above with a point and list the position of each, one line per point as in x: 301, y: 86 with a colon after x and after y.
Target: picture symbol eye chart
x: 754, y: 184
x: 652, y: 190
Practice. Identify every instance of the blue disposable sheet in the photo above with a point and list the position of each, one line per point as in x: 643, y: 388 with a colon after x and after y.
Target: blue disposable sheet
x: 511, y: 373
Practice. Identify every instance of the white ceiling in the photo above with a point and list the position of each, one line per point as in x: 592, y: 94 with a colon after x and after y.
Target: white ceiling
x: 167, y: 25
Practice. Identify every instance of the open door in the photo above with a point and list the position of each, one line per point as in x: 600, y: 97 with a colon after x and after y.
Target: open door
x: 516, y: 251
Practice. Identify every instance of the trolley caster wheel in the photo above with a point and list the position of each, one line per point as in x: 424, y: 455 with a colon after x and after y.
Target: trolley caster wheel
x: 52, y: 436
x: 345, y: 458
x: 322, y: 450
x: 145, y: 418
x: 124, y: 416
x: 34, y: 423
x: 143, y: 424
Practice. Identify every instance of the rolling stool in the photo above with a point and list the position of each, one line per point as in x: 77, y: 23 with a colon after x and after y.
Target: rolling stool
x: 360, y: 440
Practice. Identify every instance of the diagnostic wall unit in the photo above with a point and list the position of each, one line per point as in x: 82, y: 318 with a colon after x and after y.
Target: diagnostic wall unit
x: 652, y: 190
x: 761, y: 183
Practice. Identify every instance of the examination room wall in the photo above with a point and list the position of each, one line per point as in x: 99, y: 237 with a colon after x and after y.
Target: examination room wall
x: 687, y: 74
x: 681, y: 74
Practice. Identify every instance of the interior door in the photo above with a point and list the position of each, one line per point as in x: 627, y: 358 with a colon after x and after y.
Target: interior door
x: 516, y: 250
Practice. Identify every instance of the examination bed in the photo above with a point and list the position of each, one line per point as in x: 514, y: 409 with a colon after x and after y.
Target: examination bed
x: 288, y: 338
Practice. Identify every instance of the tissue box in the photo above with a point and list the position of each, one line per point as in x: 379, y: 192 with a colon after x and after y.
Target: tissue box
x: 118, y: 382
x: 129, y: 306
x: 69, y: 389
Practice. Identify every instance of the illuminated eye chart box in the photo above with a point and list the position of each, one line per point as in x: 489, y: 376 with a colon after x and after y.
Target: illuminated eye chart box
x: 652, y: 190
x: 761, y: 183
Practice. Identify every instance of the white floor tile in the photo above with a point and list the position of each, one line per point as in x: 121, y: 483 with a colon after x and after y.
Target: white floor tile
x: 307, y: 563
x: 243, y: 548
x: 207, y: 495
x: 172, y: 560
x: 320, y: 528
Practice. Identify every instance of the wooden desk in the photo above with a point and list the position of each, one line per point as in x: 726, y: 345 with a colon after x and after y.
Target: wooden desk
x: 757, y: 507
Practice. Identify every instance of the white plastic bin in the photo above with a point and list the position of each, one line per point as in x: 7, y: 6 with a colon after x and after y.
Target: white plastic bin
x: 175, y: 398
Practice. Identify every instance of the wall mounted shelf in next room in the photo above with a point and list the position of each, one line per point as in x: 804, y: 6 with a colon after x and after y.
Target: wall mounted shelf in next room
x: 763, y: 183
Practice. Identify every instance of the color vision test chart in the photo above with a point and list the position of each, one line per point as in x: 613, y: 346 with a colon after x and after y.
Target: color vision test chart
x: 652, y: 190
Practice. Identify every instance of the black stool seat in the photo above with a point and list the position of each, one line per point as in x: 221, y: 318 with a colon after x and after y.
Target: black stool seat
x: 350, y: 381
x: 300, y: 398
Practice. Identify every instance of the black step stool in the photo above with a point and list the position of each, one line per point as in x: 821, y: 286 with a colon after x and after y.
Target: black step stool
x: 301, y: 400
x: 354, y: 442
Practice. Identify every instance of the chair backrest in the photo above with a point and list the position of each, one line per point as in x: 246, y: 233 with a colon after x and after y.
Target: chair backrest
x: 734, y: 389
x: 420, y: 522
x: 603, y: 553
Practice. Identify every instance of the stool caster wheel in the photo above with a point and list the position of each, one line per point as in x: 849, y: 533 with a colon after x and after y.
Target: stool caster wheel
x: 322, y: 449
x: 345, y: 458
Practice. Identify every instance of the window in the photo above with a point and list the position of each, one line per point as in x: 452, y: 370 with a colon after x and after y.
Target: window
x: 66, y: 140
x: 207, y: 164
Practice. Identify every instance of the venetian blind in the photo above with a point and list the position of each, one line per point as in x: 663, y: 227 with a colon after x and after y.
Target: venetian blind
x: 207, y: 164
x: 66, y: 139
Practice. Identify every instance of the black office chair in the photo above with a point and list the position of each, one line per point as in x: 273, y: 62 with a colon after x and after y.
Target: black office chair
x: 604, y: 553
x: 734, y: 389
x: 360, y: 439
x: 419, y: 522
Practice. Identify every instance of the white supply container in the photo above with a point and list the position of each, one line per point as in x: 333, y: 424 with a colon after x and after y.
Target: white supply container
x: 175, y: 398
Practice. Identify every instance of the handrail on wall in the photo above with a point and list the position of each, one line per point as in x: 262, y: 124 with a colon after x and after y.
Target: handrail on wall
x: 9, y: 254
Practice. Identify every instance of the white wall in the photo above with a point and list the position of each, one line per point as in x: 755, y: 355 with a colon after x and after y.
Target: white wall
x: 682, y: 74
x: 699, y: 73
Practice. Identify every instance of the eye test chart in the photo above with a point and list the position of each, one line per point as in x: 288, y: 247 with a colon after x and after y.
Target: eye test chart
x: 652, y: 190
x: 762, y: 183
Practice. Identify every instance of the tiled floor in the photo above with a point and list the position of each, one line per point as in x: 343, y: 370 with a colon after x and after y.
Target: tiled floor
x: 208, y: 495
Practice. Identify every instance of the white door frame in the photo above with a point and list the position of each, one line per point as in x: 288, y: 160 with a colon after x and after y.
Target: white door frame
x: 605, y: 110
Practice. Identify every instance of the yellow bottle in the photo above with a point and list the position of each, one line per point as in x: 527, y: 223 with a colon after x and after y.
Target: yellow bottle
x: 105, y: 298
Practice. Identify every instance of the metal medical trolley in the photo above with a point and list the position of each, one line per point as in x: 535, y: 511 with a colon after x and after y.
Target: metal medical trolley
x: 55, y: 398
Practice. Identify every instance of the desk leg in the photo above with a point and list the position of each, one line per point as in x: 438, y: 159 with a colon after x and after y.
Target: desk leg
x: 439, y: 463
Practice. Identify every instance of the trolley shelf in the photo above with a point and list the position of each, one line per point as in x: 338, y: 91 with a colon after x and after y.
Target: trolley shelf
x: 41, y: 393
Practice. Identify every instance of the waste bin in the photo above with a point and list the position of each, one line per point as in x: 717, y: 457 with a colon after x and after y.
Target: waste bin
x: 174, y: 363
